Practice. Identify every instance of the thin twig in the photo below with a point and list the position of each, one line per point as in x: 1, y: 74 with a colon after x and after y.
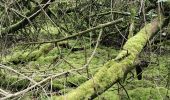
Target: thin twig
x: 94, y: 51
x: 124, y: 90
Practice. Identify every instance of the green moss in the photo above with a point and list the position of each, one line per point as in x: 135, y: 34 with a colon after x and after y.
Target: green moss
x: 22, y: 57
x: 66, y: 90
x: 46, y: 60
x: 158, y: 93
x: 57, y: 86
x: 139, y: 83
x: 46, y: 47
x: 53, y: 52
x: 34, y: 55
x: 108, y: 95
x: 49, y: 30
x: 77, y: 80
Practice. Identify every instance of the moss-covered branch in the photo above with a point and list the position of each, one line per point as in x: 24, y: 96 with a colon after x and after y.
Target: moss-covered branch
x: 22, y: 57
x: 115, y: 69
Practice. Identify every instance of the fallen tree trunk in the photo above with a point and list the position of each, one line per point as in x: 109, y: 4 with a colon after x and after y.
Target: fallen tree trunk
x: 114, y: 70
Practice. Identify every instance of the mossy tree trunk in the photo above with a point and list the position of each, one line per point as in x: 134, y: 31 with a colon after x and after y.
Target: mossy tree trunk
x: 115, y: 69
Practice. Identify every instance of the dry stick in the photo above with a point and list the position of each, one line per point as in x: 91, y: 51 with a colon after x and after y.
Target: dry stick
x: 124, y: 37
x: 33, y: 81
x: 46, y: 13
x: 38, y: 83
x: 94, y: 51
x: 89, y: 60
x: 3, y: 92
x: 85, y: 51
x: 80, y: 33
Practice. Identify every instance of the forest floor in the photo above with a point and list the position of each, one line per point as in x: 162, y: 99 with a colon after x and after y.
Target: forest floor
x: 41, y: 61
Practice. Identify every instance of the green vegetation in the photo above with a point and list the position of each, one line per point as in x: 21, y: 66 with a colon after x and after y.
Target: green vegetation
x: 84, y: 50
x: 148, y: 88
